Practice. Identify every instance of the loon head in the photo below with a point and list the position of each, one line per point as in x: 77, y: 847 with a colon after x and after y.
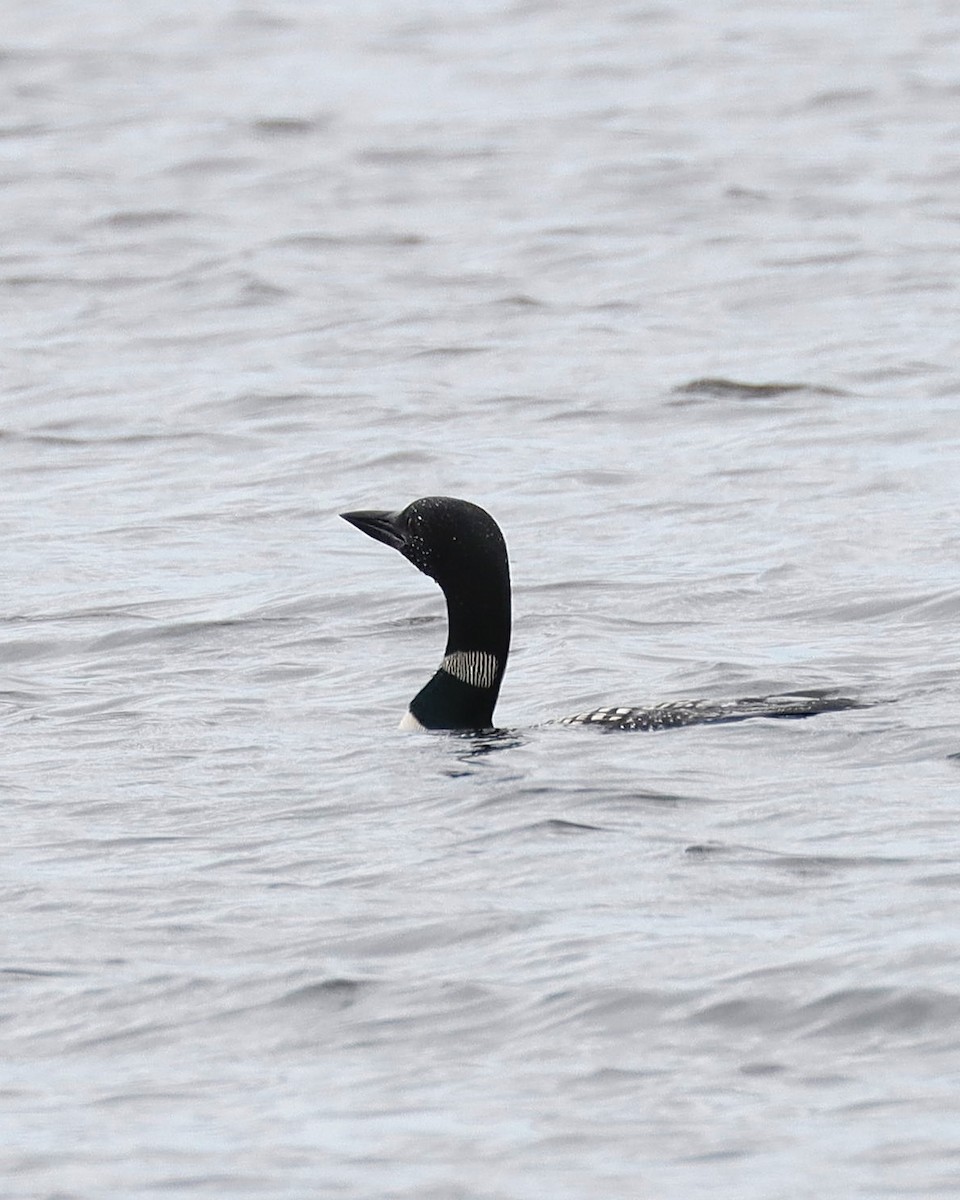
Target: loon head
x: 452, y: 541
x: 460, y: 546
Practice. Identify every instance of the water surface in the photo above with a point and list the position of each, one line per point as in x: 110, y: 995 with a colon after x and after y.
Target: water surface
x: 672, y: 292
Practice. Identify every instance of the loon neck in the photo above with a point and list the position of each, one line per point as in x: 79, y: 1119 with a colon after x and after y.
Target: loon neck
x: 463, y: 692
x: 460, y: 546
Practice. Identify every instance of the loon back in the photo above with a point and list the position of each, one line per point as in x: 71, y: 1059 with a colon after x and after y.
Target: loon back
x: 460, y: 546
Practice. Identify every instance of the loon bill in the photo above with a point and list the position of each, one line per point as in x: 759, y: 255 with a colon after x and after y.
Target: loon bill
x: 460, y: 546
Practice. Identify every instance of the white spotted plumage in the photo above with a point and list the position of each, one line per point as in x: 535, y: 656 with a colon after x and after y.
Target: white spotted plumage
x: 670, y: 713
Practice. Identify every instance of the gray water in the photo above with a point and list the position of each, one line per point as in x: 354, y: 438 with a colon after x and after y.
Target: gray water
x: 265, y: 262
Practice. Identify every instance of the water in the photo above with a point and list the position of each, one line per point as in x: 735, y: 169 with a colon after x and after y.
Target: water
x: 264, y: 263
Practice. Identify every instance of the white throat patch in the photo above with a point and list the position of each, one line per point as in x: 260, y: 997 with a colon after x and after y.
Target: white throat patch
x: 476, y: 667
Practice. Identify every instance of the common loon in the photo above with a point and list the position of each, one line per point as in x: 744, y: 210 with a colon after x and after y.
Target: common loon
x: 460, y: 546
